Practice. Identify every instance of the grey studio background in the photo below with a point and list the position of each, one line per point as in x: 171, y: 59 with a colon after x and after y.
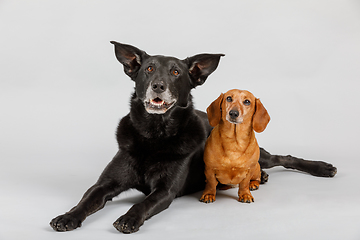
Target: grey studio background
x: 62, y: 93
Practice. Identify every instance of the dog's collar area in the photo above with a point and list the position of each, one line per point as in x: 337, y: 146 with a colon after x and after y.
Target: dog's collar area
x: 157, y: 106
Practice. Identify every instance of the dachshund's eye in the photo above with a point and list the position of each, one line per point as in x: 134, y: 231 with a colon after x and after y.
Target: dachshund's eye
x: 247, y: 102
x: 175, y: 72
x: 150, y: 69
x: 229, y: 99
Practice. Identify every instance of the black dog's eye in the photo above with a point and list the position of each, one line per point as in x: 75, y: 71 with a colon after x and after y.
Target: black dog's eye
x: 150, y: 69
x: 175, y: 72
x: 229, y: 99
x: 247, y: 102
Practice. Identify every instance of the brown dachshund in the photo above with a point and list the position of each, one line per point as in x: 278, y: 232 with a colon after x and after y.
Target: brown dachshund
x: 232, y: 152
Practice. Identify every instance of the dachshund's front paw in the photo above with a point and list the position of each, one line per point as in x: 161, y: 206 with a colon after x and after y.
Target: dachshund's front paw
x: 207, y: 198
x: 254, y: 185
x: 246, y: 198
x: 128, y: 224
x: 66, y: 222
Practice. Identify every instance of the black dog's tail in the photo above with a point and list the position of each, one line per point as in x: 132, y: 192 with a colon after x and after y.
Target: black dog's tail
x: 315, y: 168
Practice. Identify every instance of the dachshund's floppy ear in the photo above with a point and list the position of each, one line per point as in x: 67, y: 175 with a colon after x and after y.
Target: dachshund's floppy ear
x: 214, y: 111
x: 261, y: 117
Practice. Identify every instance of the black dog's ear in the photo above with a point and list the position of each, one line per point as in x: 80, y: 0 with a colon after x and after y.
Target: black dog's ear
x: 201, y: 66
x: 129, y: 56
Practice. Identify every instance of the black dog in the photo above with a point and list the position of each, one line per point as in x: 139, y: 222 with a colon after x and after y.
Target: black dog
x: 161, y: 141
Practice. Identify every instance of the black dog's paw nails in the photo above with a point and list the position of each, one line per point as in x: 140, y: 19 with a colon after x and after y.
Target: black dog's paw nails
x: 64, y: 223
x: 332, y: 170
x: 127, y: 224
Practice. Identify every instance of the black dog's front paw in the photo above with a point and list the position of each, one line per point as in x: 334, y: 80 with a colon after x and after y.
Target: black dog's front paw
x: 128, y: 224
x: 65, y: 222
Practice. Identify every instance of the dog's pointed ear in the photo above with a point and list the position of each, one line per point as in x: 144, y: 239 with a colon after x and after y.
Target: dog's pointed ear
x: 130, y: 57
x: 201, y: 66
x: 214, y: 111
x: 261, y: 117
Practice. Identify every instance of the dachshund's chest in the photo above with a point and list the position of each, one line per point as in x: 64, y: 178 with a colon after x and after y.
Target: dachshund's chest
x: 232, y: 167
x: 232, y: 171
x: 231, y: 160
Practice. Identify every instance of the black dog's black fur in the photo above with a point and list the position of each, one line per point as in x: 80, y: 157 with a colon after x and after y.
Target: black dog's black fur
x: 161, y: 145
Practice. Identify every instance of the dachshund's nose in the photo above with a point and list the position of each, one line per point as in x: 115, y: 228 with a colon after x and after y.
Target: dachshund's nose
x: 158, y: 86
x: 233, y: 114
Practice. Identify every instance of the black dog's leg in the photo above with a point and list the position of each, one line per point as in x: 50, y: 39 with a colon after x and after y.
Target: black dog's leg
x: 94, y: 198
x: 316, y: 168
x: 154, y: 203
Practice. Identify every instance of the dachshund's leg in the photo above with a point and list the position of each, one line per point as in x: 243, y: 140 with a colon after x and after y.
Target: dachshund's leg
x: 256, y: 179
x: 209, y: 193
x: 244, y: 190
x: 316, y: 168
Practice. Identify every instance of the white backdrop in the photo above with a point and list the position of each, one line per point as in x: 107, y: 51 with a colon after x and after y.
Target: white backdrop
x: 62, y: 93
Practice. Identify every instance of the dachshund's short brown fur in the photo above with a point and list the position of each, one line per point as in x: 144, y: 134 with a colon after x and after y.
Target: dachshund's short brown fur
x: 232, y: 152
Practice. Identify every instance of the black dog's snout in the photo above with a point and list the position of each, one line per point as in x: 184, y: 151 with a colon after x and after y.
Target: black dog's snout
x: 158, y: 86
x: 234, y: 113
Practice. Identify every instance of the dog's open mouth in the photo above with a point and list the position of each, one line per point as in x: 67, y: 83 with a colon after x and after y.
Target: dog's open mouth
x: 157, y: 105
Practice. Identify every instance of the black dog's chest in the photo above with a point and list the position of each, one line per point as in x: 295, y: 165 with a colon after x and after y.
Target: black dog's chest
x: 159, y: 148
x: 159, y: 173
x: 158, y: 151
x: 155, y: 164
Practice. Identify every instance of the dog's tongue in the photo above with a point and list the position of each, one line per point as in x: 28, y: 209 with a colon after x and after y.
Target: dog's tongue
x: 157, y: 105
x: 157, y: 101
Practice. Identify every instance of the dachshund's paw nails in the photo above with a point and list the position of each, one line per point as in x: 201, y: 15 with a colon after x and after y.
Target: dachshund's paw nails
x: 127, y: 224
x: 65, y: 222
x: 207, y: 198
x: 246, y: 198
x: 254, y: 185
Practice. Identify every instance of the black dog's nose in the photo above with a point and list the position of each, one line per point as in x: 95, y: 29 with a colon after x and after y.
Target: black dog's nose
x: 234, y: 113
x: 158, y: 86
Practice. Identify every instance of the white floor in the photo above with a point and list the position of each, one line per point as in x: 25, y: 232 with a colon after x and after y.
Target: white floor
x: 290, y: 206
